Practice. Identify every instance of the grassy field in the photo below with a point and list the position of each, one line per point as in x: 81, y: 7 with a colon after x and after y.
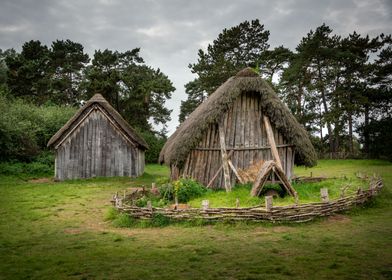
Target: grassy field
x: 307, y: 193
x: 57, y: 231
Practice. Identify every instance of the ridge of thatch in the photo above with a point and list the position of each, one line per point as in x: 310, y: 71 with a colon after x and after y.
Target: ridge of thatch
x: 190, y: 132
x: 103, y: 103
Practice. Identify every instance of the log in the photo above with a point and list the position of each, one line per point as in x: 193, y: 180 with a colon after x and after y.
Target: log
x: 225, y: 164
x: 271, y: 140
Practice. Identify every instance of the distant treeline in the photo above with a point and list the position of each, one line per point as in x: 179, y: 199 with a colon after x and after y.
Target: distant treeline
x: 41, y: 87
x: 333, y: 84
x: 339, y: 88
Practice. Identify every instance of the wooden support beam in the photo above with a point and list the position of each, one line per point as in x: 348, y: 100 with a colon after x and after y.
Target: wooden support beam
x: 225, y: 164
x: 271, y: 140
x: 235, y: 171
x: 286, y: 183
x: 268, y: 168
x: 218, y: 171
x: 261, y: 178
x: 174, y: 173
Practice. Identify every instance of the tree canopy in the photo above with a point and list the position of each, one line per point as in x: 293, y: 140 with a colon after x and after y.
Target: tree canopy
x: 339, y: 88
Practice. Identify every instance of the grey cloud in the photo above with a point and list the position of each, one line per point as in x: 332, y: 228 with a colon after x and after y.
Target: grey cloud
x: 170, y: 32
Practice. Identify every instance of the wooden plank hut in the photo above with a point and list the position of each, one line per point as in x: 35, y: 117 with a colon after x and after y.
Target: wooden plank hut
x: 97, y: 141
x: 229, y: 124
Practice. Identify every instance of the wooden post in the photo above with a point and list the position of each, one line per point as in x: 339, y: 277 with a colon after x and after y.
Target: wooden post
x: 174, y: 172
x: 237, y: 203
x: 235, y: 171
x: 271, y: 140
x: 176, y: 202
x: 205, y: 204
x: 324, y: 194
x: 268, y: 203
x: 219, y: 170
x: 119, y: 202
x: 149, y: 205
x: 225, y: 164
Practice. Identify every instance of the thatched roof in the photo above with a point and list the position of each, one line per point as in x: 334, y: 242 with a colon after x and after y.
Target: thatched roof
x: 99, y: 100
x: 191, y: 131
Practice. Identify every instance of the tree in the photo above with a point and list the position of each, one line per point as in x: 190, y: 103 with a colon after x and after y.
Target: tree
x: 27, y: 75
x: 145, y: 91
x: 234, y: 49
x: 354, y: 53
x: 137, y: 91
x: 273, y: 62
x: 67, y: 60
x: 3, y: 65
x: 377, y: 105
x: 196, y: 95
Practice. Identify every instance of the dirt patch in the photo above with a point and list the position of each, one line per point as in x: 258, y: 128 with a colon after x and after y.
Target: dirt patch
x: 72, y: 231
x: 280, y: 229
x: 339, y: 219
x: 41, y: 180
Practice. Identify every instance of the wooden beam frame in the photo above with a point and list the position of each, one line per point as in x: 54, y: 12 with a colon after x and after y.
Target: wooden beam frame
x: 218, y: 171
x: 271, y: 140
x: 225, y: 164
x: 271, y: 166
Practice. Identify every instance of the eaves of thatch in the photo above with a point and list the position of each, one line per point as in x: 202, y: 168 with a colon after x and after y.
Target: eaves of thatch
x: 98, y: 100
x: 190, y: 132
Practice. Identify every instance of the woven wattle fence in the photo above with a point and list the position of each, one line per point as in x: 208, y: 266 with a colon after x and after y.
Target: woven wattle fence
x: 292, y: 213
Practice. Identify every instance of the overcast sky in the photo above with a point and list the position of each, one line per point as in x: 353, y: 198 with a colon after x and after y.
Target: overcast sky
x: 170, y: 32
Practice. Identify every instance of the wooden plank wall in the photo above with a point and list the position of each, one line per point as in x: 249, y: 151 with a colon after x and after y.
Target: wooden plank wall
x: 245, y: 132
x: 96, y: 148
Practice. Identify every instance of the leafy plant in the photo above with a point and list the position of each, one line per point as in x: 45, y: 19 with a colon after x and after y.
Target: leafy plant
x: 159, y: 220
x: 111, y: 214
x: 187, y: 189
x: 166, y: 191
x: 123, y: 220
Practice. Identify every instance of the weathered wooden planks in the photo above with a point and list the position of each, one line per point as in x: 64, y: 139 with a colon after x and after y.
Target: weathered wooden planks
x: 97, y: 148
x: 245, y: 135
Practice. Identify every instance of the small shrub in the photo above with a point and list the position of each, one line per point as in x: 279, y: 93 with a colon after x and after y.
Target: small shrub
x: 159, y: 220
x: 186, y: 189
x: 141, y: 202
x: 7, y: 168
x: 166, y: 191
x: 162, y: 181
x: 123, y: 220
x: 31, y: 169
x: 37, y: 168
x: 47, y: 158
x: 111, y: 214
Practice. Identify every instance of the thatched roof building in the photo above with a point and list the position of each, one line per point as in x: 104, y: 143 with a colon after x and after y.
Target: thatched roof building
x: 239, y: 105
x: 97, y: 141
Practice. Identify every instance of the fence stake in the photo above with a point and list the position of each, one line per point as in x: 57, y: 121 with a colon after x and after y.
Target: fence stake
x: 237, y: 203
x: 268, y: 203
x: 205, y: 204
x: 324, y: 194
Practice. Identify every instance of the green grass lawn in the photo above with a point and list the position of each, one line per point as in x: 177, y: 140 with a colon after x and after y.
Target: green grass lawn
x: 57, y: 231
x: 307, y: 193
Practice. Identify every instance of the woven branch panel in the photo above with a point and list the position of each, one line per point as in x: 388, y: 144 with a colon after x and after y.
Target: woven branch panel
x: 292, y: 213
